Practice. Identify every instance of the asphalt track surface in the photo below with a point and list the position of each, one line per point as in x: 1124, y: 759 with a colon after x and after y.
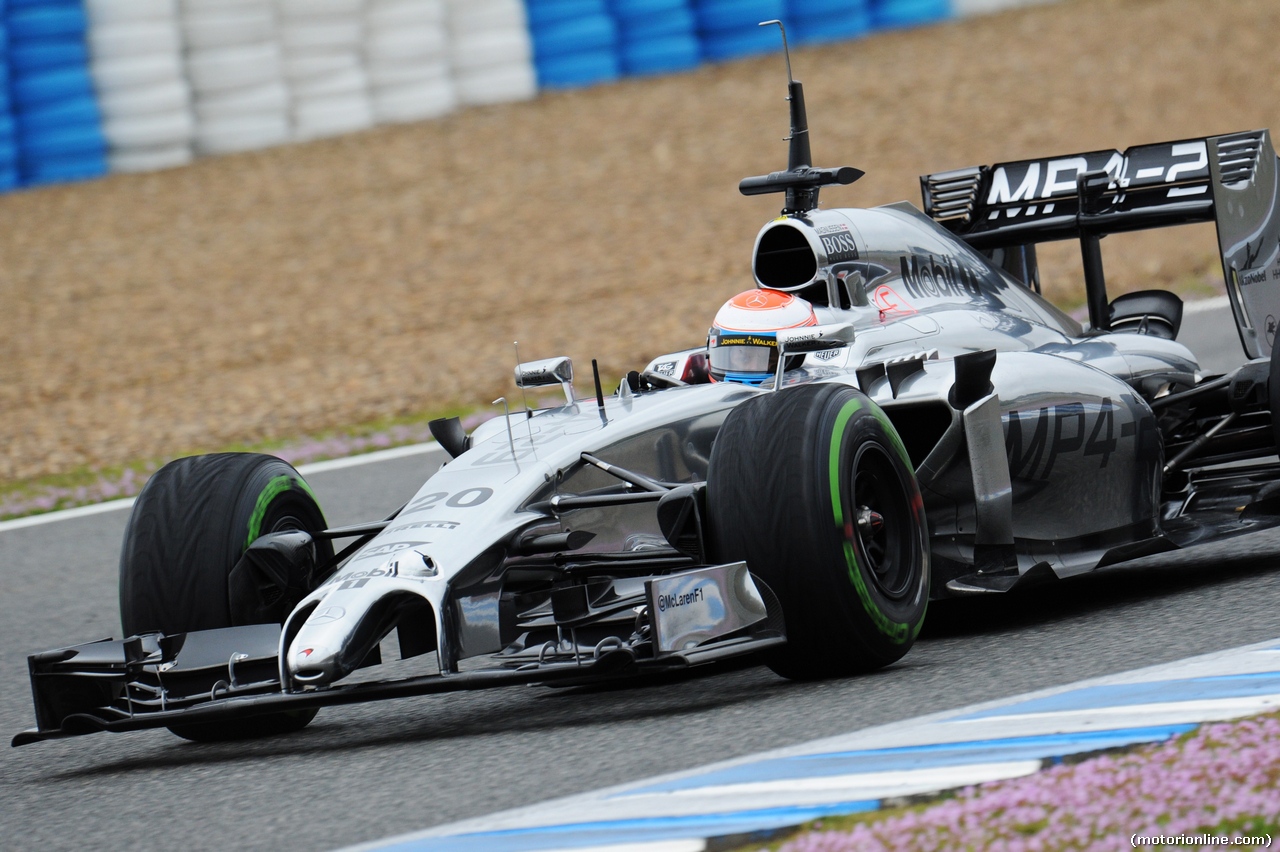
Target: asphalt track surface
x: 362, y: 773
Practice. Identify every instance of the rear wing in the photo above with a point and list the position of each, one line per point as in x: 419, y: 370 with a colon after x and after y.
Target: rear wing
x: 1230, y: 180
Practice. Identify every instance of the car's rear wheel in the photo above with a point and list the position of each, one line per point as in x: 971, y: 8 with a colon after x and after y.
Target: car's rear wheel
x: 190, y: 525
x: 812, y: 487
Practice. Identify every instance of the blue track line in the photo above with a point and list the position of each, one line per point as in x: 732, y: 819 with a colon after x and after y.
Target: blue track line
x: 585, y: 834
x: 1154, y: 692
x: 1046, y: 747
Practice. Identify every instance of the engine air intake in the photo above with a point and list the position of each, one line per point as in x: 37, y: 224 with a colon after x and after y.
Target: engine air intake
x: 784, y: 259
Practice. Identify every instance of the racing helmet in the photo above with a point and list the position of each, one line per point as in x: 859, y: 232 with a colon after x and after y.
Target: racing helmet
x: 743, y: 343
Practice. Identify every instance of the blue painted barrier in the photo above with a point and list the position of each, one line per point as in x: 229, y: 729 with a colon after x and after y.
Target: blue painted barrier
x: 891, y: 14
x: 59, y: 143
x: 8, y: 130
x: 575, y: 42
x: 578, y: 69
x: 45, y: 20
x: 818, y: 21
x: 675, y: 22
x: 34, y: 89
x: 664, y: 55
x: 544, y: 12
x: 56, y: 126
x: 637, y: 10
x: 38, y: 54
x: 656, y: 36
x: 53, y: 169
x: 74, y: 111
x: 730, y: 29
x: 574, y: 35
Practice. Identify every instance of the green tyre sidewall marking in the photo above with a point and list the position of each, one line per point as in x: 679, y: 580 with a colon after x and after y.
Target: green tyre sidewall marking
x: 276, y: 486
x: 897, y: 632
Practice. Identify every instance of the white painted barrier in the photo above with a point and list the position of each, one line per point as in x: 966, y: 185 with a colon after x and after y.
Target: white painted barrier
x: 136, y: 51
x: 233, y: 62
x: 490, y: 51
x: 322, y: 43
x: 406, y: 51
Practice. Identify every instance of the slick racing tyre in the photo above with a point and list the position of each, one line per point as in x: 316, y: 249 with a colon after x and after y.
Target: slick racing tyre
x: 812, y: 487
x: 193, y: 520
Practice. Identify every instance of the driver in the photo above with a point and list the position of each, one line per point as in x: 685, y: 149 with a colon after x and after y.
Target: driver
x: 743, y: 343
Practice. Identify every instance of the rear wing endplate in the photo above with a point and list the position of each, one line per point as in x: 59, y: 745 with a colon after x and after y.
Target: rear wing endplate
x: 1230, y: 180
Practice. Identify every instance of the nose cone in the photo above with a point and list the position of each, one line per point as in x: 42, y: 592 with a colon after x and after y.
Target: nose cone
x: 314, y: 663
x: 346, y: 625
x: 316, y: 655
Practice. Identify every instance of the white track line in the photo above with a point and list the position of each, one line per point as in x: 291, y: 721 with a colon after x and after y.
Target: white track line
x: 1201, y: 306
x: 368, y: 458
x: 305, y: 470
x: 66, y: 514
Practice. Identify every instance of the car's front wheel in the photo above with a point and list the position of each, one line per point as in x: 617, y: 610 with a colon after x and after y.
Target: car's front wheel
x: 813, y: 488
x: 190, y: 525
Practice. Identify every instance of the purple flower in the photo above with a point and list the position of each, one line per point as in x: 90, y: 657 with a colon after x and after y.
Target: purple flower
x: 1224, y: 778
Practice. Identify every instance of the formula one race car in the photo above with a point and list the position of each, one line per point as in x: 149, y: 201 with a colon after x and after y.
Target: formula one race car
x: 893, y: 414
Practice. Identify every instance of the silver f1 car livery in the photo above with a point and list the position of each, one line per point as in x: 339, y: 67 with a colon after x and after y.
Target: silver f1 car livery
x: 894, y: 414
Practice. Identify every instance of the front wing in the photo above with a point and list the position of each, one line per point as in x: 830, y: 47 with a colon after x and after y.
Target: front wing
x: 154, y: 681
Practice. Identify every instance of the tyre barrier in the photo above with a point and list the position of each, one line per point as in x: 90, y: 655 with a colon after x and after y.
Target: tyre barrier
x: 490, y: 51
x: 821, y: 21
x: 322, y: 47
x: 730, y: 29
x: 575, y: 43
x: 406, y: 54
x: 234, y: 63
x: 136, y: 65
x: 56, y: 124
x: 8, y: 129
x: 893, y: 14
x: 141, y: 84
x: 656, y: 36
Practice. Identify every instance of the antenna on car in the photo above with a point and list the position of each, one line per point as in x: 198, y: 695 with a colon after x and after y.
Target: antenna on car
x: 801, y: 181
x: 595, y: 371
x: 511, y: 438
x: 798, y: 155
x: 524, y: 396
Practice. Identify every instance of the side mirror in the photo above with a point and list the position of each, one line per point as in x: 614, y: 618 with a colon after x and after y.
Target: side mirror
x: 547, y: 372
x: 1154, y: 312
x: 815, y: 338
x: 449, y: 434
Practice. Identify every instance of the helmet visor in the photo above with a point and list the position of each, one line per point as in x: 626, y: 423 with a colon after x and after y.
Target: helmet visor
x: 743, y: 353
